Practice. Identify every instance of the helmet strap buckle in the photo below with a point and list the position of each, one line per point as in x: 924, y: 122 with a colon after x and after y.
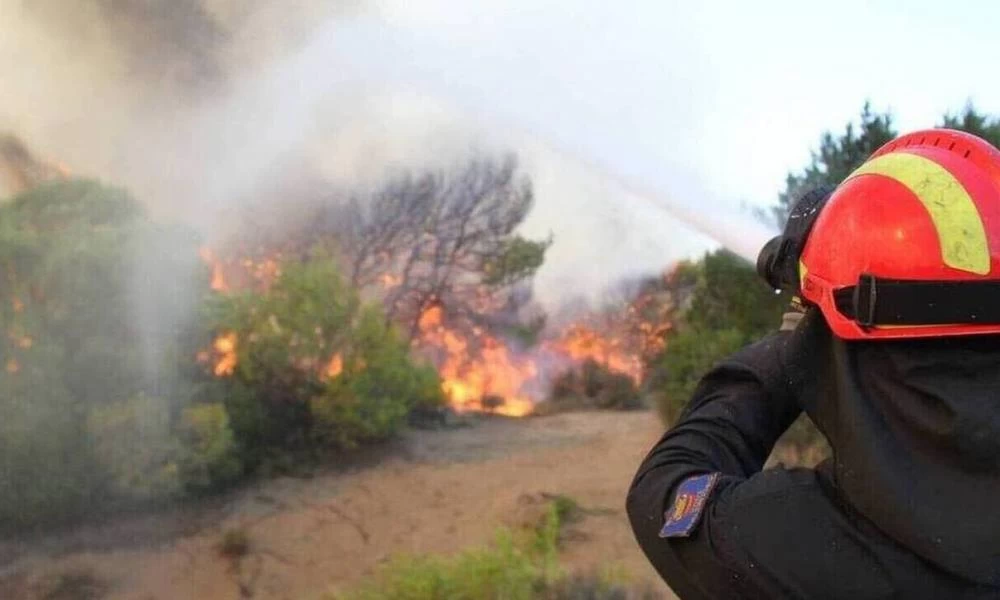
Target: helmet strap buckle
x: 865, y: 299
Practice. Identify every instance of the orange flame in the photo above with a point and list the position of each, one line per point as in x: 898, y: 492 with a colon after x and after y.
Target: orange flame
x: 390, y: 281
x: 478, y: 371
x: 581, y: 343
x: 230, y: 274
x: 218, y: 276
x: 225, y: 347
x: 491, y: 382
x: 335, y: 367
x: 264, y: 272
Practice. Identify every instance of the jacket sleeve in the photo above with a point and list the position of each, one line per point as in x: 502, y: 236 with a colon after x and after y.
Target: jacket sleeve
x: 738, y: 412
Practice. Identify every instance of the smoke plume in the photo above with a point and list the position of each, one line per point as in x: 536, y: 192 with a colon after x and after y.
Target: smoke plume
x: 204, y: 107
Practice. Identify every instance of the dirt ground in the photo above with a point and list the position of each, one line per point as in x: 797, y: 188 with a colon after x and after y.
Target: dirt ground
x: 431, y: 492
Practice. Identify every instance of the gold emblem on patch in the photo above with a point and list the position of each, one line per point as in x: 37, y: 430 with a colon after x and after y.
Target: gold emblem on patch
x: 682, y: 505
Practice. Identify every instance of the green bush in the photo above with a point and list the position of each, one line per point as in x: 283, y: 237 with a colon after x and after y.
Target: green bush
x: 730, y: 307
x: 501, y: 571
x: 689, y: 355
x: 94, y: 305
x: 730, y: 295
x: 519, y: 565
x: 282, y: 397
x: 134, y: 447
x: 372, y: 398
x: 49, y: 471
x: 208, y: 457
x: 593, y: 385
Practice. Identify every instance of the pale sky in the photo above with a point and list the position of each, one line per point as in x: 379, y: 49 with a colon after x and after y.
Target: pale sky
x: 737, y: 91
x: 782, y: 72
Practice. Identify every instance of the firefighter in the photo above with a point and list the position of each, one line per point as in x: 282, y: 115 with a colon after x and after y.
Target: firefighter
x: 893, y: 352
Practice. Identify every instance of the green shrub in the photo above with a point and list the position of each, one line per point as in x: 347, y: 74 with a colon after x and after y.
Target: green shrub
x: 377, y: 390
x: 95, y: 301
x: 208, y: 457
x: 519, y: 565
x: 284, y: 396
x: 49, y: 471
x: 593, y: 385
x: 730, y: 307
x: 688, y: 357
x: 134, y: 447
x: 566, y: 509
x: 730, y: 294
x: 501, y: 571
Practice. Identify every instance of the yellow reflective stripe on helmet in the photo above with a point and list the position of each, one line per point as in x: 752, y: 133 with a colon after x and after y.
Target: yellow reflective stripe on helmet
x: 955, y: 216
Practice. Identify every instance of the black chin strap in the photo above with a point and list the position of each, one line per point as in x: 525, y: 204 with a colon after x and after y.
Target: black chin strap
x: 875, y: 301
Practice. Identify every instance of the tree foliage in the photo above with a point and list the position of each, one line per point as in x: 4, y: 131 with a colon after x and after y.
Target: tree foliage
x: 729, y: 293
x: 972, y: 121
x: 730, y: 306
x: 516, y: 260
x: 837, y: 157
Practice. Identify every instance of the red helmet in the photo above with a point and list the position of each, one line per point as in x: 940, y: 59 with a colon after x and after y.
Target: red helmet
x: 909, y: 244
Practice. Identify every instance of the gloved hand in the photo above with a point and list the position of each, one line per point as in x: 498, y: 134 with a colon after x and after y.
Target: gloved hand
x: 790, y: 319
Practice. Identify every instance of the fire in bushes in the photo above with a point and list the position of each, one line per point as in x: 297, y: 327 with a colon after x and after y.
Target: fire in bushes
x: 478, y: 372
x: 480, y: 369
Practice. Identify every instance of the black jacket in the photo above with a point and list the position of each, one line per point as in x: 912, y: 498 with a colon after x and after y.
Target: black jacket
x: 909, y: 506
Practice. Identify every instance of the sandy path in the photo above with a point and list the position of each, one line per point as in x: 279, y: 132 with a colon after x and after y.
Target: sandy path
x: 436, y: 492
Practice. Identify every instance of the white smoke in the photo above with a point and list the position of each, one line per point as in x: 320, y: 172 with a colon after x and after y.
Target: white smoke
x: 199, y: 106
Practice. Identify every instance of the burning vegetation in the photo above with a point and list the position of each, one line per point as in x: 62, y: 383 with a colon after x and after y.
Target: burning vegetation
x: 440, y: 254
x: 272, y: 350
x: 477, y: 373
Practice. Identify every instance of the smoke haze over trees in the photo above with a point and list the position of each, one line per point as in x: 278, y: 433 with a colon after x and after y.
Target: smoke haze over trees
x: 115, y: 352
x: 439, y: 237
x: 202, y: 107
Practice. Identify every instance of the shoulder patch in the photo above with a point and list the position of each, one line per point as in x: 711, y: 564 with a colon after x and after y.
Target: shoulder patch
x: 689, y: 500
